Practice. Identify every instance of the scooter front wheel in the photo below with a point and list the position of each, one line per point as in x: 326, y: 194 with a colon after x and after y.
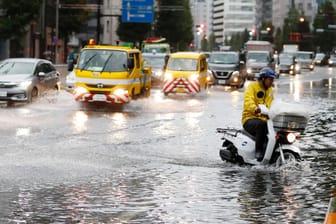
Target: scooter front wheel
x: 289, y: 158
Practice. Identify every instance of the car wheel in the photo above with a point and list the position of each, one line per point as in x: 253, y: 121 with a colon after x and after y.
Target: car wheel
x: 33, y: 95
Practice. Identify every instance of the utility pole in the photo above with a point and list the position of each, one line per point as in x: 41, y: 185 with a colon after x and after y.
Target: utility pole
x: 56, y: 32
x: 98, y: 21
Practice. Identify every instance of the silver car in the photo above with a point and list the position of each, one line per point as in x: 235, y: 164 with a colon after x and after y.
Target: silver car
x: 23, y: 79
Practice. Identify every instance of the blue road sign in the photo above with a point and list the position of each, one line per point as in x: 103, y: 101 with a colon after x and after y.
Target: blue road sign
x: 137, y: 11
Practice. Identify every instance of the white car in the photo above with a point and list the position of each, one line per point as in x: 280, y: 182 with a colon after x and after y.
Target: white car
x: 70, y: 81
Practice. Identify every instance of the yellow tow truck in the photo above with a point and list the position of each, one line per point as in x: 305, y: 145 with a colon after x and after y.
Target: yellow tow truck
x: 110, y: 74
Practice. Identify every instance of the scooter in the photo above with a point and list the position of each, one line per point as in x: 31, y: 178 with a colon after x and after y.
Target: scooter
x: 284, y: 128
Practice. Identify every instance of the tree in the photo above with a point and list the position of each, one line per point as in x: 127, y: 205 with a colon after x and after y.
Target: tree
x: 324, y: 36
x: 73, y: 18
x: 290, y: 25
x: 133, y: 32
x: 175, y: 25
x: 15, y: 21
x: 212, y: 42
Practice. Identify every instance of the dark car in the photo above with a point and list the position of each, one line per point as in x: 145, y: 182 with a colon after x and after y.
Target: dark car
x: 332, y: 60
x: 157, y: 62
x: 287, y: 64
x: 227, y: 68
x: 23, y: 79
x: 321, y: 59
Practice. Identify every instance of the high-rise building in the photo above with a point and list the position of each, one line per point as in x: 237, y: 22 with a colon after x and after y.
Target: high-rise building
x: 230, y: 17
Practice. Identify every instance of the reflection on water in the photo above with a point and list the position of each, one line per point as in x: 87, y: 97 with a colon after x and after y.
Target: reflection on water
x: 79, y: 121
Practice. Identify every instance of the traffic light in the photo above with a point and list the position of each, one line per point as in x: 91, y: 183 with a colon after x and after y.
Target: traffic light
x: 200, y: 28
x: 252, y: 32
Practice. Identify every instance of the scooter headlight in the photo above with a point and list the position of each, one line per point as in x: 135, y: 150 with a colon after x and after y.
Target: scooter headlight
x: 291, y: 137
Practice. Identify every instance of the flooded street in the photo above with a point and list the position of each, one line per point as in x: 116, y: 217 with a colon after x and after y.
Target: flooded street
x: 156, y: 161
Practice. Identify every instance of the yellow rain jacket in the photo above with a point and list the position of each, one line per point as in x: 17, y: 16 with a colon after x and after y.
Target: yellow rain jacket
x: 256, y: 94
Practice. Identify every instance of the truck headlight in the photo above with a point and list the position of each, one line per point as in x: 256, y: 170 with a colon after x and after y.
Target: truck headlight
x: 120, y: 92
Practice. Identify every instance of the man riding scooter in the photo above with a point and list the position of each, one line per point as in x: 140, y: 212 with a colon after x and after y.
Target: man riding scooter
x: 259, y: 92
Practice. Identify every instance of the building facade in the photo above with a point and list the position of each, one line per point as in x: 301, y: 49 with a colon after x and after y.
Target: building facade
x: 232, y: 16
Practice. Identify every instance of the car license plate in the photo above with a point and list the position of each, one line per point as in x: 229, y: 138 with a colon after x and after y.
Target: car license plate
x: 3, y: 93
x: 99, y: 97
x: 221, y: 81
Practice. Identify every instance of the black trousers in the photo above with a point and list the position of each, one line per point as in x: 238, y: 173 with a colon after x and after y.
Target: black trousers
x: 257, y: 128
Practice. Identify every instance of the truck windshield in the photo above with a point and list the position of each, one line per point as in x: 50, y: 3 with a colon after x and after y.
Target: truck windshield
x: 103, y: 60
x: 257, y: 57
x: 182, y: 64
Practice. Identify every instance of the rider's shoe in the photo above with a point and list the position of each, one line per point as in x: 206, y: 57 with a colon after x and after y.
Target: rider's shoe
x: 258, y: 155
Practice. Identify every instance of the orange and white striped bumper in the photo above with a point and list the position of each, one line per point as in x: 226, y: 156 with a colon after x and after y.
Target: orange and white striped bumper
x: 181, y: 85
x: 106, y: 98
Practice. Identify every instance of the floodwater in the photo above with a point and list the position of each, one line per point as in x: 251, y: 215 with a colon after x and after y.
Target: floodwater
x: 156, y: 161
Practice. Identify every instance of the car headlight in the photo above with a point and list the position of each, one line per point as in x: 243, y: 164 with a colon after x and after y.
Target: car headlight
x: 194, y: 77
x: 168, y: 76
x: 25, y: 84
x: 249, y: 70
x: 157, y: 73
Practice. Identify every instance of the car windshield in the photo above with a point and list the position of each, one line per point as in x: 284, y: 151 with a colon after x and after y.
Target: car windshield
x: 225, y: 58
x: 16, y: 68
x: 285, y: 59
x: 183, y: 64
x: 103, y: 60
x: 154, y: 62
x: 319, y: 56
x: 257, y: 57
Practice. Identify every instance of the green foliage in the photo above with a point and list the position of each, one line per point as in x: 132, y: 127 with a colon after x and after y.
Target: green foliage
x: 133, y: 32
x: 204, y: 43
x: 17, y: 15
x: 72, y: 20
x: 175, y: 25
x: 212, y: 42
x: 238, y: 40
x: 325, y: 40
